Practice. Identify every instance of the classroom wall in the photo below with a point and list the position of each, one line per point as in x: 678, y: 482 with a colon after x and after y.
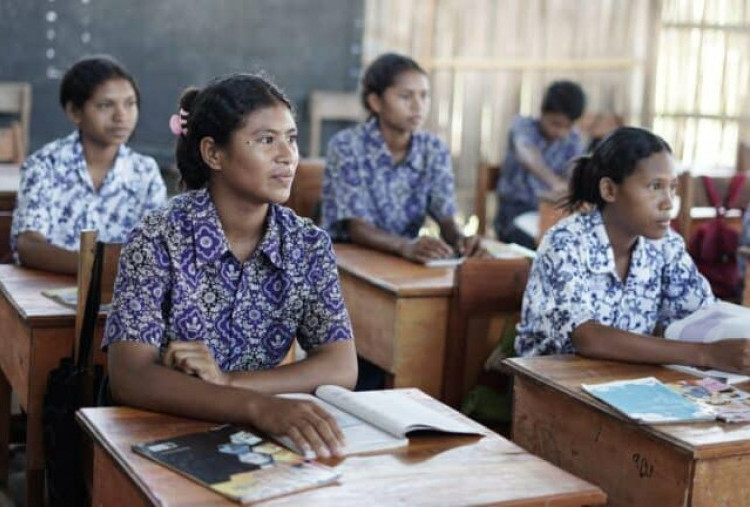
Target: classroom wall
x: 168, y: 44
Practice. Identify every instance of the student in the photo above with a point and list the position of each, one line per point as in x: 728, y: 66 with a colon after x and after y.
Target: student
x: 213, y: 289
x: 89, y: 179
x: 606, y: 281
x: 384, y: 176
x: 538, y: 152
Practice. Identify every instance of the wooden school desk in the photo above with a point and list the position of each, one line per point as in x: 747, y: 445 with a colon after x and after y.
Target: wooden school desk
x: 35, y: 333
x: 10, y: 178
x: 399, y: 311
x: 431, y: 470
x: 672, y: 464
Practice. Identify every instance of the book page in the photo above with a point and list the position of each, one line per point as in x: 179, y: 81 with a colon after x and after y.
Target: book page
x: 723, y: 376
x: 361, y: 436
x: 715, y: 322
x: 393, y: 411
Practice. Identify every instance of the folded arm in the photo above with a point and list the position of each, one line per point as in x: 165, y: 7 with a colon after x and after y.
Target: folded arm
x: 34, y: 251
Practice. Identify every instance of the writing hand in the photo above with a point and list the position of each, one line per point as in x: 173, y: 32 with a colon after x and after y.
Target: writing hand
x: 425, y: 248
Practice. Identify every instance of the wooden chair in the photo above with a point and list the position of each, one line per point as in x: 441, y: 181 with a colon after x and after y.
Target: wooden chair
x: 15, y: 100
x: 487, y: 176
x: 326, y: 105
x: 110, y: 258
x: 693, y: 202
x: 484, y: 289
x: 307, y: 187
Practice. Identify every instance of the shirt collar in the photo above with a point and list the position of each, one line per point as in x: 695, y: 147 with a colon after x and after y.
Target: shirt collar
x: 211, y: 243
x: 378, y: 149
x: 118, y: 170
x: 600, y: 257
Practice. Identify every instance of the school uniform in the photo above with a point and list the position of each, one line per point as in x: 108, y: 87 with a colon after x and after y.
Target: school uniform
x: 361, y: 181
x: 57, y: 198
x: 517, y: 188
x: 178, y: 280
x: 574, y: 280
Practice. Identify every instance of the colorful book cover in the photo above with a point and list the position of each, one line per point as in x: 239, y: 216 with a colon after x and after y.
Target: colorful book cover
x: 647, y: 400
x: 728, y: 403
x: 237, y: 464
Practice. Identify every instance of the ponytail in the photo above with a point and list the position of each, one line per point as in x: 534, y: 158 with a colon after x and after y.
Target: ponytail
x: 615, y: 157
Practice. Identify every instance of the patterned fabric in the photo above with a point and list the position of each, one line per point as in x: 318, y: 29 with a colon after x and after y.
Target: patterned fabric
x: 518, y: 184
x: 178, y: 280
x: 574, y: 280
x: 57, y: 198
x: 361, y: 181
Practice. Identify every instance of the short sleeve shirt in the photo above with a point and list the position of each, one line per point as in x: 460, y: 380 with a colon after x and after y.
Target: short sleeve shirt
x: 361, y: 181
x: 57, y: 197
x: 178, y: 280
x: 574, y: 280
x: 518, y: 184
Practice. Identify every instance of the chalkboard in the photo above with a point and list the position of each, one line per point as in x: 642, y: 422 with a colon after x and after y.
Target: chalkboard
x: 168, y: 44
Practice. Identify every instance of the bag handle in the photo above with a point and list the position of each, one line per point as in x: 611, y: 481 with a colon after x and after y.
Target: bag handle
x: 711, y: 193
x: 91, y: 310
x: 735, y: 189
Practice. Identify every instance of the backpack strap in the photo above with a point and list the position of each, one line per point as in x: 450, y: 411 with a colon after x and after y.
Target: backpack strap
x: 711, y: 193
x: 735, y: 189
x: 91, y: 310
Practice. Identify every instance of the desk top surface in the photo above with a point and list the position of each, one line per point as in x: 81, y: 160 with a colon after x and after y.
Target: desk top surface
x: 22, y: 288
x: 446, y: 470
x: 394, y: 274
x: 10, y: 178
x: 566, y: 373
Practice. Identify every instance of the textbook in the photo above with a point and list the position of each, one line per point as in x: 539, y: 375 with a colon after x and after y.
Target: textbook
x: 68, y: 296
x: 378, y: 420
x: 497, y: 249
x: 237, y: 464
x: 709, y: 324
x: 649, y: 401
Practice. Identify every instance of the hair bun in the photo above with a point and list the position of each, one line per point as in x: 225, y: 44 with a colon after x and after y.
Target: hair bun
x: 188, y: 98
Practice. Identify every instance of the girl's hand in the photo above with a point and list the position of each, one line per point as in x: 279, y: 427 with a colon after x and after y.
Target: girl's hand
x: 194, y: 358
x: 426, y: 248
x: 730, y: 355
x: 471, y: 246
x: 305, y: 422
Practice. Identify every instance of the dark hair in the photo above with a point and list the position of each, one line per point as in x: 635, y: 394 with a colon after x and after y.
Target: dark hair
x: 217, y: 111
x: 81, y: 80
x: 382, y: 73
x: 564, y: 97
x: 615, y: 157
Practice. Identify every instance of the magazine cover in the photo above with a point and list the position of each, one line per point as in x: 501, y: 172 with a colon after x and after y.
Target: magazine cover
x: 237, y: 464
x: 729, y: 403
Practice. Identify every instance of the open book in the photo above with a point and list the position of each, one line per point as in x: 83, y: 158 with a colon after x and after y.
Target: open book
x: 237, y: 464
x: 497, y: 249
x: 378, y: 420
x: 648, y: 401
x: 709, y: 324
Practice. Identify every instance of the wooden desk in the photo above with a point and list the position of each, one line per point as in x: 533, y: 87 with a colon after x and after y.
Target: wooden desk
x: 431, y: 470
x: 678, y: 464
x: 35, y: 333
x: 399, y: 313
x: 10, y: 178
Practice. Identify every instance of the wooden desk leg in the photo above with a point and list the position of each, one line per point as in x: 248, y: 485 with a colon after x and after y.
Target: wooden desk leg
x: 112, y: 486
x: 5, y: 394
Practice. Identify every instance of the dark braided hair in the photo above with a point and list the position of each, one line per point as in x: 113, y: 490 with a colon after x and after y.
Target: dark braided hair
x: 216, y: 111
x: 615, y: 157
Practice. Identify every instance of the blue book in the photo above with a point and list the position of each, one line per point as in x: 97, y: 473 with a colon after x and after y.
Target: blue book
x: 648, y: 401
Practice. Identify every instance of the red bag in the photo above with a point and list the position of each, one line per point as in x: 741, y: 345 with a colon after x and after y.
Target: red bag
x: 713, y: 245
